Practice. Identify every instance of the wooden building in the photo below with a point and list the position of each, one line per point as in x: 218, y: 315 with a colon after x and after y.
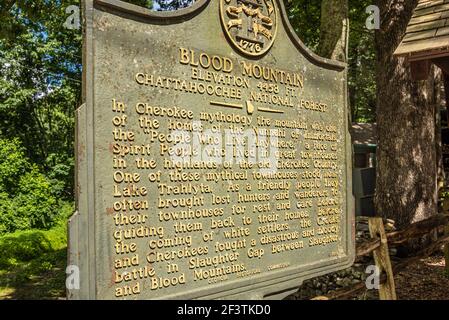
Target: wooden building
x: 427, y: 38
x: 427, y: 42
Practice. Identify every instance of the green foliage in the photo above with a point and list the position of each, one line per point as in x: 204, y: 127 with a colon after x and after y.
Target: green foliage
x: 34, y: 205
x: 32, y: 263
x: 170, y: 5
x: 35, y: 200
x: 40, y: 88
x: 40, y: 83
x: 61, y: 174
x: 10, y: 219
x: 13, y: 164
x: 362, y: 64
x: 142, y: 3
x: 27, y: 197
x: 305, y: 17
x: 24, y: 246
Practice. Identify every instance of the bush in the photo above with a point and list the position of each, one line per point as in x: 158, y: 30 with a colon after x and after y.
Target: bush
x: 10, y: 219
x: 60, y: 172
x: 33, y: 207
x: 24, y: 246
x: 35, y: 201
x: 27, y: 198
x: 13, y: 164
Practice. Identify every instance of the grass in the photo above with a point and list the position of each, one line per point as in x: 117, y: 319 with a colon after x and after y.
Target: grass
x: 42, y: 278
x: 33, y: 262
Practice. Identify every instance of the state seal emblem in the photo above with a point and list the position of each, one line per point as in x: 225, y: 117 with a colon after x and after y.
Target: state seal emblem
x: 250, y: 25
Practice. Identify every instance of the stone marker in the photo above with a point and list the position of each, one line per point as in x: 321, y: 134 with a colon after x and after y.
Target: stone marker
x: 213, y: 155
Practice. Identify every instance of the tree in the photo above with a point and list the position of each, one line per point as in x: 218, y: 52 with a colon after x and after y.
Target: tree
x: 440, y: 102
x: 406, y: 187
x: 27, y: 199
x: 334, y: 30
x: 170, y: 5
x: 446, y: 89
x: 40, y: 81
x: 305, y: 17
x: 361, y: 64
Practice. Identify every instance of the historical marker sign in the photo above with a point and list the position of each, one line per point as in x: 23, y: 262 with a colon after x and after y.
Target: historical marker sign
x: 213, y: 155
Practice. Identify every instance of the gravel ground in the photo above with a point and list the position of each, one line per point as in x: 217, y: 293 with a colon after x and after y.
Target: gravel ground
x: 422, y: 280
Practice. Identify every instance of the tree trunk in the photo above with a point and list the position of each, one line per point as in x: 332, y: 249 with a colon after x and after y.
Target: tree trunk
x: 446, y: 89
x: 440, y: 100
x: 406, y: 186
x: 334, y: 30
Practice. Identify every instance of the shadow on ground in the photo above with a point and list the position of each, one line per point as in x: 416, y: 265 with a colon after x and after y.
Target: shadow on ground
x: 424, y: 280
x: 44, y: 278
x: 39, y: 279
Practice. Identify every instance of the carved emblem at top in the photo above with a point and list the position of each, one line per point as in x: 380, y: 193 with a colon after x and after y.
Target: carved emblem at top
x: 250, y: 24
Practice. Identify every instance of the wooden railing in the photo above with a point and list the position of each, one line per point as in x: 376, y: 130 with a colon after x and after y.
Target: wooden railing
x: 379, y: 246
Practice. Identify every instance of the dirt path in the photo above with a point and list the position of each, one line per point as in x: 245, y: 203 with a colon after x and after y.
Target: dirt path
x: 423, y: 280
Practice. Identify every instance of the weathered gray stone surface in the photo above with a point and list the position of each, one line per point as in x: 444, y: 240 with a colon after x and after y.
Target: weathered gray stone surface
x: 127, y: 184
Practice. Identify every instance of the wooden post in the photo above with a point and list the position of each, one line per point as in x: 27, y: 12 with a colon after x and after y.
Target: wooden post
x: 387, y: 290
